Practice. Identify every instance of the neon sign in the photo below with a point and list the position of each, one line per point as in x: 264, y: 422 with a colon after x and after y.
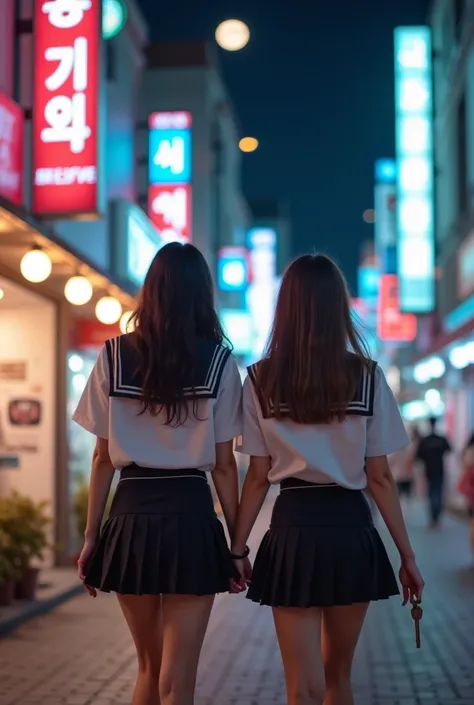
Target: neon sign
x: 169, y: 174
x: 414, y: 147
x: 11, y: 150
x: 66, y: 108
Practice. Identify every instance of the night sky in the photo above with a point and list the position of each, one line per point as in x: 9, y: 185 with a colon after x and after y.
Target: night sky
x: 315, y: 86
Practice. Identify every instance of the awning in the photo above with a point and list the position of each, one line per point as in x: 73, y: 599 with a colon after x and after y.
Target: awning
x: 19, y: 232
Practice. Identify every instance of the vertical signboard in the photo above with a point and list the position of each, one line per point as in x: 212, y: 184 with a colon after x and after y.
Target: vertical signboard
x: 170, y: 175
x: 11, y: 150
x: 414, y: 149
x: 385, y: 227
x: 393, y: 326
x: 66, y: 115
x: 262, y: 291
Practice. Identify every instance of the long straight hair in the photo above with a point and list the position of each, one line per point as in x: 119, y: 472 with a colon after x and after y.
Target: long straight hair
x: 175, y: 310
x: 315, y: 355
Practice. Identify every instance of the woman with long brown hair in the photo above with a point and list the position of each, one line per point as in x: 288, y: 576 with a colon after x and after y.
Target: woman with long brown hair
x: 165, y: 404
x: 320, y: 420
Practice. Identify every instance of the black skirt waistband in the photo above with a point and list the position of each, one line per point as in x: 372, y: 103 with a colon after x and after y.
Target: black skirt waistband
x: 136, y: 472
x: 293, y: 483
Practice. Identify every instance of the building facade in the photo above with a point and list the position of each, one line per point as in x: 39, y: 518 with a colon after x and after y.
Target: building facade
x: 74, y: 243
x: 194, y: 193
x: 438, y: 377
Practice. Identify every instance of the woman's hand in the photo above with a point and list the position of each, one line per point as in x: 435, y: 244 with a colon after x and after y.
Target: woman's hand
x: 82, y: 563
x: 411, y: 580
x: 244, y: 568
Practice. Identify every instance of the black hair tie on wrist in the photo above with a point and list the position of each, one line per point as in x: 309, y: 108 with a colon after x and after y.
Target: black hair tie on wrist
x: 238, y: 557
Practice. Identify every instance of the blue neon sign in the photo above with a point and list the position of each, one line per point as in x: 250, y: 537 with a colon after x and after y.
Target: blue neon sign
x: 414, y: 149
x: 169, y: 156
x: 232, y: 269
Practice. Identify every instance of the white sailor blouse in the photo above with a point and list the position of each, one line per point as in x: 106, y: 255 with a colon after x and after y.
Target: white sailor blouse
x: 110, y: 406
x: 324, y: 453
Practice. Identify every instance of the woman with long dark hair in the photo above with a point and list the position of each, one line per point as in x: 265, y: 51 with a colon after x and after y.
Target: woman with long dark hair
x: 165, y: 404
x: 320, y: 420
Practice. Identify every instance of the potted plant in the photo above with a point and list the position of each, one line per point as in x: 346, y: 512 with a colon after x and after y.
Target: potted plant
x: 26, y: 522
x: 7, y: 571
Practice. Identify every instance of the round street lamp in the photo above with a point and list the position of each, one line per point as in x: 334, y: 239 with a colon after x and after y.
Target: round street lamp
x: 248, y: 144
x: 232, y: 35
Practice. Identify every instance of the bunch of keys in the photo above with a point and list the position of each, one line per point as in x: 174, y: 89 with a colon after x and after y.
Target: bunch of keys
x: 416, y: 615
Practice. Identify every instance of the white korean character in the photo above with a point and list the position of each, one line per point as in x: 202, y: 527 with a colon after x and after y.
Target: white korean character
x: 66, y: 118
x: 65, y: 14
x: 172, y: 207
x: 170, y: 155
x: 71, y: 60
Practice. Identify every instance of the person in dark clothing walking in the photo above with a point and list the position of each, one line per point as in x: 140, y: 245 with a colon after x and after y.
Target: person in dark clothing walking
x: 431, y: 452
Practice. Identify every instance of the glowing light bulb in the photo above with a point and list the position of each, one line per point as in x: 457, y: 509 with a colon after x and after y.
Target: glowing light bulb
x: 232, y: 35
x: 108, y: 310
x: 36, y: 266
x: 78, y: 290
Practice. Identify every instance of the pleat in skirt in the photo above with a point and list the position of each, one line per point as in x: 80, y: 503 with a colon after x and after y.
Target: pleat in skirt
x: 322, y: 550
x: 162, y: 537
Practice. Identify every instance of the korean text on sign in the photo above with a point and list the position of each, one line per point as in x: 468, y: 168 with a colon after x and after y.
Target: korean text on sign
x: 67, y: 42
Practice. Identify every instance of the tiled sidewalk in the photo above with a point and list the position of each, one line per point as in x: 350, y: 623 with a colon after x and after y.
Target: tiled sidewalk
x: 81, y: 654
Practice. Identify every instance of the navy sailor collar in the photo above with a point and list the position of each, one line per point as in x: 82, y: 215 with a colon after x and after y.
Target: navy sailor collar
x: 125, y: 376
x: 362, y: 403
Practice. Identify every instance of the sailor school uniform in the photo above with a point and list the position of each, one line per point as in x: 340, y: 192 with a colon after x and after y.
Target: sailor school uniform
x: 322, y: 548
x: 162, y: 535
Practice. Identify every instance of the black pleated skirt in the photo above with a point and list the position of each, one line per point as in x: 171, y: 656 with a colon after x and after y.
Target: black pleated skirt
x: 322, y: 550
x: 162, y: 537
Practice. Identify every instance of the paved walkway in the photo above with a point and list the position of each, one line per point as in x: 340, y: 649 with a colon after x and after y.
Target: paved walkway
x: 81, y: 654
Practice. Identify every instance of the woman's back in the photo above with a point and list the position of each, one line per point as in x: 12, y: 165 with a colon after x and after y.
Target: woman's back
x: 112, y: 403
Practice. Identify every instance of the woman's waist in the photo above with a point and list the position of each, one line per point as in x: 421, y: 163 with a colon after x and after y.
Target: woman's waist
x: 134, y: 472
x: 162, y: 491
x: 304, y: 503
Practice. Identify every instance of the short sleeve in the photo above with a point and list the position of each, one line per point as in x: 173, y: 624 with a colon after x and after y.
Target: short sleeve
x: 386, y: 431
x: 252, y: 441
x: 228, y: 406
x: 92, y: 412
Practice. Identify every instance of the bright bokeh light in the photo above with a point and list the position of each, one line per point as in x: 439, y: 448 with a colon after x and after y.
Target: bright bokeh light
x: 424, y: 372
x: 232, y: 35
x: 369, y: 215
x: 415, y: 174
x: 76, y: 363
x: 114, y: 17
x: 78, y: 290
x: 414, y: 135
x: 248, y: 144
x: 415, y: 257
x: 108, y: 310
x: 414, y: 95
x: 415, y: 215
x: 36, y: 266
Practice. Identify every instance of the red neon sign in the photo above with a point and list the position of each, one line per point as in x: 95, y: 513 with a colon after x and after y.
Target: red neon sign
x: 393, y: 326
x: 66, y: 107
x: 169, y: 209
x: 12, y: 121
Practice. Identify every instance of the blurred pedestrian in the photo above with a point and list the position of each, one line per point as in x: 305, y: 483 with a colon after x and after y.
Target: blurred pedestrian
x: 320, y: 421
x: 165, y: 404
x: 466, y: 482
x: 432, y: 450
x: 402, y: 464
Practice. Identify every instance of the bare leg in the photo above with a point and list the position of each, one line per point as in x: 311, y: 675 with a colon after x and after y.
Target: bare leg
x: 185, y: 620
x: 299, y: 637
x: 143, y: 615
x: 341, y: 631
